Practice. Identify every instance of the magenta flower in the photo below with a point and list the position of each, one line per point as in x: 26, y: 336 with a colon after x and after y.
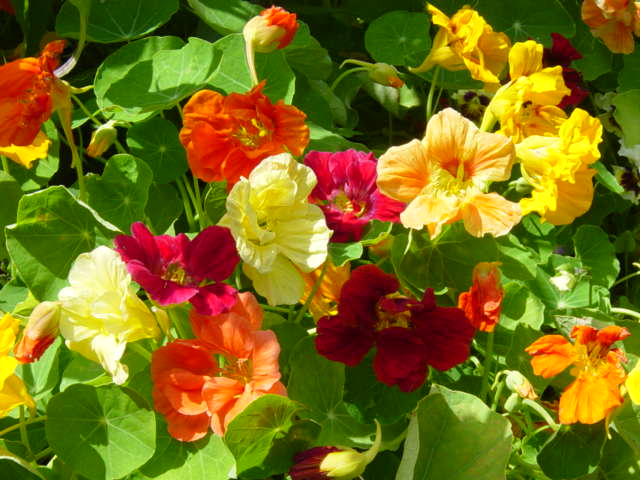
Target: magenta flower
x: 175, y: 269
x: 347, y: 193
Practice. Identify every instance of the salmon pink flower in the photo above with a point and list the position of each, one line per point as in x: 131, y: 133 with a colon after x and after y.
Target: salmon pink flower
x: 597, y: 367
x: 174, y: 270
x: 409, y: 334
x: 227, y: 136
x: 483, y: 302
x: 347, y: 193
x: 444, y: 177
x: 613, y: 21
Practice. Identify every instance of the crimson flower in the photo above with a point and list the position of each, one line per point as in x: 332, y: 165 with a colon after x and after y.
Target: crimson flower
x: 175, y: 269
x: 409, y: 334
x: 563, y: 53
x: 347, y: 193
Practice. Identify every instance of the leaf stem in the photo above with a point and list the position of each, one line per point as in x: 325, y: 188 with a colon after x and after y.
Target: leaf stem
x: 488, y: 357
x: 542, y: 412
x: 625, y: 311
x: 24, y: 437
x: 344, y: 74
x: 5, y: 164
x: 187, y: 204
x: 432, y: 90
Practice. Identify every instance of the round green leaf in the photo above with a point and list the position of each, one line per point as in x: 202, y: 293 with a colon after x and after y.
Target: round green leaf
x: 399, y: 38
x: 116, y: 20
x: 10, y: 194
x: 224, y: 16
x: 156, y: 142
x: 102, y: 433
x: 626, y: 114
x: 163, y: 207
x: 597, y: 254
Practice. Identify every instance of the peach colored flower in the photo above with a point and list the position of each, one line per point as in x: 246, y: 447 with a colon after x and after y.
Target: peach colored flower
x: 444, y: 177
x: 613, y: 21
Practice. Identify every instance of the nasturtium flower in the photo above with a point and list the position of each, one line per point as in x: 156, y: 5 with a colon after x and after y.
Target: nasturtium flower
x: 632, y: 384
x: 26, y: 155
x: 557, y: 167
x: 563, y: 53
x: 273, y: 29
x: 5, y: 5
x: 527, y: 104
x: 39, y: 333
x: 227, y: 136
x: 466, y: 40
x: 483, y: 302
x: 597, y: 367
x: 13, y: 391
x: 347, y: 193
x: 29, y: 92
x: 614, y: 22
x: 100, y: 311
x: 409, y: 334
x: 194, y: 392
x: 444, y: 177
x: 325, y: 300
x: 277, y: 231
x: 174, y: 270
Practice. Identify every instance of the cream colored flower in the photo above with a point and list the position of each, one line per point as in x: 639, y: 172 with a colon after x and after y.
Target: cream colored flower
x: 275, y: 227
x: 101, y: 312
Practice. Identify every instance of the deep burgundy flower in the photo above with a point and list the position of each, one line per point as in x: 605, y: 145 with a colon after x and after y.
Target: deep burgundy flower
x: 175, y: 269
x: 563, y: 53
x: 307, y: 463
x: 409, y: 334
x: 347, y: 193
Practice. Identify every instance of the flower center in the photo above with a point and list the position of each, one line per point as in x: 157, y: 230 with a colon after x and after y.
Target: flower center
x: 175, y: 273
x: 253, y: 135
x: 347, y: 206
x: 239, y: 369
x: 393, y: 310
x: 590, y: 358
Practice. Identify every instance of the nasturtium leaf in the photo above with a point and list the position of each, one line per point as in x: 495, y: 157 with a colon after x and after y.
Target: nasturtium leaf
x: 117, y: 65
x: 341, y: 427
x: 606, y: 178
x: 517, y: 260
x: 10, y: 193
x: 313, y: 102
x: 627, y: 421
x: 156, y: 142
x: 116, y: 20
x: 168, y: 77
x: 164, y: 206
x: 618, y: 461
x: 41, y: 377
x: 205, y: 459
x: 519, y: 360
x: 103, y: 433
x: 460, y: 79
x: 251, y: 434
x: 120, y: 194
x: 399, y: 38
x: 84, y: 371
x: 14, y: 466
x: 232, y: 74
x: 52, y: 229
x: 597, y: 254
x: 371, y: 9
x: 342, y: 253
x: 573, y: 451
x: 324, y: 140
x: 447, y: 261
x: 529, y: 19
x: 305, y: 55
x: 596, y: 57
x: 11, y: 294
x: 520, y: 306
x: 215, y: 201
x: 628, y: 75
x: 626, y: 114
x: 224, y: 16
x: 454, y: 435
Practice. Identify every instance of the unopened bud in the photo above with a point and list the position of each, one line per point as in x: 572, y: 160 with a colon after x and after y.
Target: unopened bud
x: 513, y: 402
x: 102, y: 138
x: 273, y: 29
x: 563, y: 280
x: 385, y: 74
x: 518, y: 383
x: 40, y: 332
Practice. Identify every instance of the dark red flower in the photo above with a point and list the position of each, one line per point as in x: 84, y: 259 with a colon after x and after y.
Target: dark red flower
x: 409, y: 334
x: 347, y: 193
x: 175, y: 269
x: 307, y: 463
x: 563, y: 53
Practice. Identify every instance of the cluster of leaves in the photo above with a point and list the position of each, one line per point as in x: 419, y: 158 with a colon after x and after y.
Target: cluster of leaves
x: 146, y: 57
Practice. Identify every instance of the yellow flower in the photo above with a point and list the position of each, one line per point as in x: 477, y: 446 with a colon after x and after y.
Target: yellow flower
x: 13, y: 391
x: 28, y: 154
x: 466, y: 40
x: 325, y: 301
x: 444, y: 177
x: 527, y: 105
x: 101, y: 312
x: 276, y: 229
x: 558, y: 169
x: 633, y: 384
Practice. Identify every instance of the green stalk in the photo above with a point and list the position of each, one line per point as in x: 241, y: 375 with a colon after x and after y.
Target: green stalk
x: 625, y: 311
x: 187, y: 205
x: 542, y: 412
x: 24, y: 437
x: 5, y: 163
x: 202, y: 220
x: 17, y: 425
x: 312, y: 294
x: 432, y: 90
x: 344, y: 74
x: 488, y: 357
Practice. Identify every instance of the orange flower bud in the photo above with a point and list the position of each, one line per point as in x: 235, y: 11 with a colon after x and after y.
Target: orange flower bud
x: 483, y: 302
x: 101, y: 139
x: 40, y: 332
x: 519, y: 384
x: 385, y: 74
x: 273, y: 29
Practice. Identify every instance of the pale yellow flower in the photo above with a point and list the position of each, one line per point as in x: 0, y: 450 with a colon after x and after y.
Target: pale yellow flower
x: 101, y: 313
x: 13, y: 391
x: 275, y: 228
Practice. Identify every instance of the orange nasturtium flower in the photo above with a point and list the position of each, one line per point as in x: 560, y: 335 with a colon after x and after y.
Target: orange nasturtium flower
x: 597, y: 367
x: 614, y: 21
x: 227, y: 136
x: 325, y: 300
x: 29, y: 92
x: 483, y: 302
x: 466, y: 40
x: 443, y: 178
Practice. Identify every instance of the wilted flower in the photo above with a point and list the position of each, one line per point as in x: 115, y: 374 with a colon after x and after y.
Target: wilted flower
x: 597, y: 367
x: 613, y: 21
x: 276, y: 229
x: 443, y: 178
x: 174, y: 270
x: 13, y: 391
x: 466, y: 40
x: 39, y: 333
x: 227, y: 136
x: 483, y: 302
x: 100, y: 311
x: 347, y: 193
x: 409, y: 334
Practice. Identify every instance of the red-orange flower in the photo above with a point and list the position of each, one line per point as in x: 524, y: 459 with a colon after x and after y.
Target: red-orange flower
x: 483, y: 302
x: 7, y: 7
x: 227, y: 136
x: 597, y: 368
x: 29, y: 92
